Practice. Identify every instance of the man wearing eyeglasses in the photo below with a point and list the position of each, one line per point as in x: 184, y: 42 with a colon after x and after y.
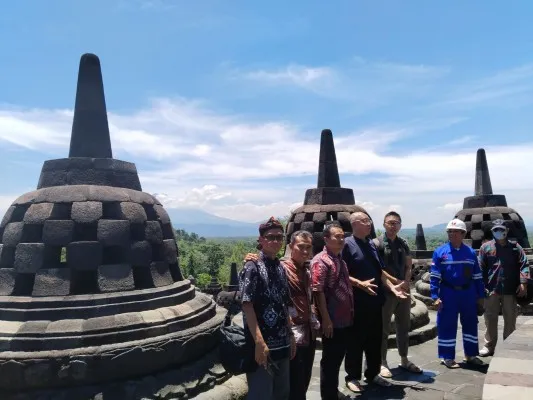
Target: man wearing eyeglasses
x: 396, y: 255
x: 505, y: 274
x: 265, y: 300
x: 369, y: 282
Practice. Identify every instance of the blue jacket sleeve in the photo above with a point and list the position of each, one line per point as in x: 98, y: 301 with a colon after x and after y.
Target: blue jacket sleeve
x: 435, y: 276
x: 477, y: 277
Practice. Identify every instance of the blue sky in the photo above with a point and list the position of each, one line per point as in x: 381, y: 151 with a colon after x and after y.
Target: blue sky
x: 221, y: 103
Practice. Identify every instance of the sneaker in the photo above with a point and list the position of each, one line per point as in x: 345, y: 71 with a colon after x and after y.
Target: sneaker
x: 485, y: 352
x: 385, y: 372
x: 354, y: 386
x: 378, y: 380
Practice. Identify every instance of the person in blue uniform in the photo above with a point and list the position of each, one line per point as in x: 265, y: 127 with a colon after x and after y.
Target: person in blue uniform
x: 457, y: 289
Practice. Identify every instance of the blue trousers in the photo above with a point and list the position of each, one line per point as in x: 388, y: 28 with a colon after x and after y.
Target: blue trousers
x: 462, y: 303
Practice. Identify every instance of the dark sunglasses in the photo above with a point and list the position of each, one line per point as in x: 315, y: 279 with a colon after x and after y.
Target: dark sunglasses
x: 272, y: 238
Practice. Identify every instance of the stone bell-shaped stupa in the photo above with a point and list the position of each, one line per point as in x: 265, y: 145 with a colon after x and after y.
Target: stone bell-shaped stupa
x: 90, y: 286
x: 484, y: 207
x: 328, y: 202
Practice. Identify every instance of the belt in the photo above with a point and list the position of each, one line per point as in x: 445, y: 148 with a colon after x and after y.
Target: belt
x: 466, y: 286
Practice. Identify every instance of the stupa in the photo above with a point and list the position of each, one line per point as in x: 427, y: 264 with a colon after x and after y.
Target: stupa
x: 331, y: 202
x: 91, y: 290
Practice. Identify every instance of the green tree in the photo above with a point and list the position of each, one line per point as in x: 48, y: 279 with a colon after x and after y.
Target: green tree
x: 191, y: 267
x: 215, y: 258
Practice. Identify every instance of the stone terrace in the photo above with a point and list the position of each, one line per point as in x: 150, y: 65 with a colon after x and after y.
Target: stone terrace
x: 437, y: 382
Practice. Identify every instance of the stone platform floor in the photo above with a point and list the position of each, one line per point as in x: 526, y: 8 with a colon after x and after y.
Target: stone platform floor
x: 436, y: 383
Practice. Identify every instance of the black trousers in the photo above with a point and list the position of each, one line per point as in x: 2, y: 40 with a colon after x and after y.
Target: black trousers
x: 367, y: 336
x: 301, y: 370
x: 333, y: 352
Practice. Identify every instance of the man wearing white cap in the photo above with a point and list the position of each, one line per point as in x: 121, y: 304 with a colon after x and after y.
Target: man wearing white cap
x: 456, y: 284
x: 506, y: 273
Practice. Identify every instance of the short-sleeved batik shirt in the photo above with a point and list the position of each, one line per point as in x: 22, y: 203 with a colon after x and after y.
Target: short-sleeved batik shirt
x: 329, y: 274
x: 264, y: 284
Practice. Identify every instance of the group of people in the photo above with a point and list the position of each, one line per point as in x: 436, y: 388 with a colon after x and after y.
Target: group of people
x: 348, y: 293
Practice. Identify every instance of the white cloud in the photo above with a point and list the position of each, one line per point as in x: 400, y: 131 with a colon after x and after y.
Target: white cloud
x: 292, y: 74
x: 234, y: 167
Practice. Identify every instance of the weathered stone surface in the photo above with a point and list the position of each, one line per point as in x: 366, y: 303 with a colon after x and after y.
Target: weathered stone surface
x: 162, y: 214
x: 7, y: 281
x: 58, y: 233
x: 160, y: 274
x: 86, y: 211
x: 12, y: 233
x: 52, y: 282
x: 141, y: 253
x: 115, y: 278
x: 133, y: 212
x: 169, y: 251
x: 7, y: 216
x: 113, y: 232
x: 84, y: 255
x: 38, y: 213
x: 29, y: 257
x: 153, y: 232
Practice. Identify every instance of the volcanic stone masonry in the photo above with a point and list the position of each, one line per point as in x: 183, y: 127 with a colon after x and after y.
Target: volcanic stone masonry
x: 91, y: 290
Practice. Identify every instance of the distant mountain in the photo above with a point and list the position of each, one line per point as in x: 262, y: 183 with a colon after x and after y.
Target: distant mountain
x: 209, y: 225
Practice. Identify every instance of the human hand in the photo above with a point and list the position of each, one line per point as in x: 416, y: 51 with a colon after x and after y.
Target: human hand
x: 438, y: 304
x: 405, y: 286
x: 368, y: 286
x: 251, y: 257
x: 261, y: 353
x: 398, y: 291
x: 327, y: 327
x: 522, y: 290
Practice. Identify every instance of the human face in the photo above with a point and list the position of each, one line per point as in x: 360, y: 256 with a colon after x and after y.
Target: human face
x: 271, y: 241
x: 392, y: 225
x: 456, y: 236
x: 301, y: 250
x: 500, y: 234
x: 335, y: 241
x: 361, y: 225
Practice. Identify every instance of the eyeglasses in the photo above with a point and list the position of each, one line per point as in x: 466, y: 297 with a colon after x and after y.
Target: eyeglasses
x: 393, y: 223
x: 274, y: 238
x: 366, y: 221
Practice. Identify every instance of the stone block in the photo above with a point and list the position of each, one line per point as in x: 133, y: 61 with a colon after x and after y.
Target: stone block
x: 7, y: 216
x: 133, y: 212
x: 29, y: 257
x: 299, y: 218
x: 153, y: 232
x: 7, y: 281
x: 170, y: 251
x: 86, y: 211
x: 320, y: 217
x: 141, y: 253
x: 58, y: 233
x: 162, y: 214
x: 62, y: 194
x: 115, y: 278
x: 113, y: 232
x: 38, y: 213
x: 161, y: 274
x: 52, y: 282
x: 308, y: 226
x: 84, y: 255
x: 477, y: 218
x: 7, y: 256
x: 13, y: 233
x: 107, y: 194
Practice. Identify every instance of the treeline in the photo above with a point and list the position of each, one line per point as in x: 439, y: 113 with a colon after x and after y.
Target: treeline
x: 203, y: 258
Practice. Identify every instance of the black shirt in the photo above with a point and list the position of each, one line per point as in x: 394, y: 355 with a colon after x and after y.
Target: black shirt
x: 364, y: 263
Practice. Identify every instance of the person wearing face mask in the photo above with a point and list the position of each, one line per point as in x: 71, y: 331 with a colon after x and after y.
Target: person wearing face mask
x: 456, y: 286
x: 505, y: 274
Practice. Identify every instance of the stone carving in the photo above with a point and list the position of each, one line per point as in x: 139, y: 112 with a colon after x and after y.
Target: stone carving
x: 90, y: 285
x: 225, y: 298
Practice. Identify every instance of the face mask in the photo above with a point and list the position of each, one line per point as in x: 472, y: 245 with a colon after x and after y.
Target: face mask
x: 499, y: 235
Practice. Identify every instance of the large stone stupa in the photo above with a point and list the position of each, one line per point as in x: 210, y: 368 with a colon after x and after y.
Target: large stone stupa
x: 91, y: 291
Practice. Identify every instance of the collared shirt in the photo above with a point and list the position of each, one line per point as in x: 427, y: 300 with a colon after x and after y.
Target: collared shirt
x: 330, y: 275
x: 364, y: 263
x: 504, y: 267
x: 453, y: 267
x: 264, y: 284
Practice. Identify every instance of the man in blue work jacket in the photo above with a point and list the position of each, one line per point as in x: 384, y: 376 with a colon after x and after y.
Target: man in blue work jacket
x: 457, y: 288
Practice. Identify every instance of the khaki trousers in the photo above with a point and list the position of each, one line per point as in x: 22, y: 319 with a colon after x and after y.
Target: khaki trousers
x: 508, y: 306
x: 401, y: 309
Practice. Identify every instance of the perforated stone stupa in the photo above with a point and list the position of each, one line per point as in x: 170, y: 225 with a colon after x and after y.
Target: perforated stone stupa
x: 328, y: 202
x: 484, y: 207
x: 90, y: 285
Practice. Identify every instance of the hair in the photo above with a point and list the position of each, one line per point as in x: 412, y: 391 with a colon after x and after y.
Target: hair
x: 301, y: 234
x: 328, y: 226
x: 392, y: 214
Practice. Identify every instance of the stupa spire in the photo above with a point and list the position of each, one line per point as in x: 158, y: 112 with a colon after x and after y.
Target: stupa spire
x: 328, y: 172
x: 482, y: 185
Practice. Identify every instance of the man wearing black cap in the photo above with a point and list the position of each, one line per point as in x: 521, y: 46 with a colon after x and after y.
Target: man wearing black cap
x: 505, y: 274
x: 265, y: 300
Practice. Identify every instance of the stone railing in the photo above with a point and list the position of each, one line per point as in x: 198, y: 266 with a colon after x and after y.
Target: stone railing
x: 510, y: 374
